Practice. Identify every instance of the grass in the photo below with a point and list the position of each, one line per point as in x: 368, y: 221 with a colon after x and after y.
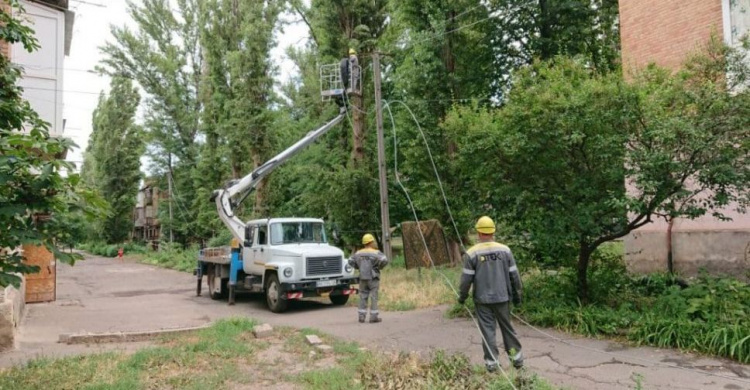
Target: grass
x: 403, y: 290
x: 227, y: 356
x: 709, y: 315
x: 172, y: 257
x: 184, y: 362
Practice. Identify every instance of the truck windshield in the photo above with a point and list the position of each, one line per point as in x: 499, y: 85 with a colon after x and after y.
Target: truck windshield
x: 297, y: 232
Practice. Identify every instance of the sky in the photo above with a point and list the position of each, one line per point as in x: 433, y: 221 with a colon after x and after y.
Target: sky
x: 91, y: 30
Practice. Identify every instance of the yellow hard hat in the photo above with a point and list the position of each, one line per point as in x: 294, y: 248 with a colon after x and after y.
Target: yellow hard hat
x: 367, y: 238
x: 485, y: 225
x: 352, y: 52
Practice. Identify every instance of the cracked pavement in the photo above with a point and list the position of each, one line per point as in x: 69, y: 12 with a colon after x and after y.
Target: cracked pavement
x: 107, y: 295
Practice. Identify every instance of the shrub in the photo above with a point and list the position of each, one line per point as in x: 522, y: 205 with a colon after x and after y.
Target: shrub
x: 173, y: 256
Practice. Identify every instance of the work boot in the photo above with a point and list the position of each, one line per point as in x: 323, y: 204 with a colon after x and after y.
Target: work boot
x: 491, y: 367
x: 375, y: 319
x: 362, y: 317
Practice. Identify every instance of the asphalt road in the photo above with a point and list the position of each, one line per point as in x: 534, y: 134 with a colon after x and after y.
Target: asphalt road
x: 105, y: 295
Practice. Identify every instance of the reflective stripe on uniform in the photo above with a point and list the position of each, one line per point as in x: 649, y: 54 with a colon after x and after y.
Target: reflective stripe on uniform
x: 469, y: 271
x: 513, y: 269
x: 362, y: 311
x: 374, y: 312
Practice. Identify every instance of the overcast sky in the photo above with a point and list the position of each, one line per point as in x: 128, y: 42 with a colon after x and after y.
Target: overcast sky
x: 90, y: 31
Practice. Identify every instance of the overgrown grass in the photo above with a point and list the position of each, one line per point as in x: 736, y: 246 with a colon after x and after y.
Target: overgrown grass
x: 403, y: 290
x: 173, y: 257
x: 709, y: 314
x: 363, y: 369
x: 226, y: 355
x: 206, y: 359
x: 110, y: 250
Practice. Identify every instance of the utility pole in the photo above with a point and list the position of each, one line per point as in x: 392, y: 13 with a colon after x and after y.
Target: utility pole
x: 169, y: 183
x: 384, y: 214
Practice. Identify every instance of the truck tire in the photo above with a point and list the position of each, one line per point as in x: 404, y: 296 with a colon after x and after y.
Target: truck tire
x: 273, y: 295
x: 216, y: 295
x: 339, y: 300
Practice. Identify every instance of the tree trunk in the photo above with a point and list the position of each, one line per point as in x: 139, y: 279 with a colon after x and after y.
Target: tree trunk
x: 584, y: 255
x: 670, y: 261
x: 358, y: 121
x: 545, y: 30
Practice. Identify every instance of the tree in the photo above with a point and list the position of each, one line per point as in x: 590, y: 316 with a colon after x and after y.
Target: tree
x: 237, y: 38
x: 526, y: 30
x: 34, y: 196
x: 112, y: 159
x: 579, y: 158
x: 165, y: 58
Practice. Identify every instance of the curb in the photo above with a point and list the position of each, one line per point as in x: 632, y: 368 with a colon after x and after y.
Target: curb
x: 122, y: 337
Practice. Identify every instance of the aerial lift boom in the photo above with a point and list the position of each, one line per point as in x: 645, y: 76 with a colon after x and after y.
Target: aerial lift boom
x: 229, y: 198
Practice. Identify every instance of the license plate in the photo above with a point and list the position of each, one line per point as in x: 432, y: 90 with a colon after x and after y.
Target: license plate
x: 326, y: 283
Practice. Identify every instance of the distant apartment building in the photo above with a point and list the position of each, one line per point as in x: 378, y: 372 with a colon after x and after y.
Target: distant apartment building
x: 146, y: 226
x: 665, y: 32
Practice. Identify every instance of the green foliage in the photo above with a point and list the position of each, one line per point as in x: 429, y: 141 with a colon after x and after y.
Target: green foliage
x: 709, y: 316
x: 162, y: 53
x: 35, y: 199
x: 173, y: 256
x: 112, y: 159
x: 555, y: 158
x: 177, y: 363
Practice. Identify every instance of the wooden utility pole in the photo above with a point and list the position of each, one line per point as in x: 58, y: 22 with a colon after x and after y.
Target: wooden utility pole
x: 384, y: 213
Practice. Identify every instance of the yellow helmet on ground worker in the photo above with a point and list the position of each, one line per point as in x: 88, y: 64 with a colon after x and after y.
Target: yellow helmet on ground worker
x: 485, y: 225
x: 352, y: 52
x: 367, y: 238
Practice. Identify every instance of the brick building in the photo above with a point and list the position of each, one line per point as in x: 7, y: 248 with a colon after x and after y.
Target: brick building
x: 665, y: 32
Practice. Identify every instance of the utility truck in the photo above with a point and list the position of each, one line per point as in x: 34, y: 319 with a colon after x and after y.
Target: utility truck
x: 283, y: 258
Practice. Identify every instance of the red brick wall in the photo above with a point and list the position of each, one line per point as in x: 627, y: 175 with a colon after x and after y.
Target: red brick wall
x: 4, y: 47
x: 665, y: 31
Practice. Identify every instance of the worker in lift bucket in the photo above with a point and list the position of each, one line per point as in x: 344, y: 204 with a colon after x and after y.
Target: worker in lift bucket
x: 349, y: 70
x: 369, y: 261
x: 491, y: 268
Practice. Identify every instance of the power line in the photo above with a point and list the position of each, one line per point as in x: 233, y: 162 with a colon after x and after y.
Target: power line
x: 427, y: 249
x: 61, y: 90
x: 89, y: 3
x: 557, y: 339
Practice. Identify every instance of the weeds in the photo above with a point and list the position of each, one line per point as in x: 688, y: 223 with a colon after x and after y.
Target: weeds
x: 173, y: 257
x: 110, y: 250
x: 710, y: 315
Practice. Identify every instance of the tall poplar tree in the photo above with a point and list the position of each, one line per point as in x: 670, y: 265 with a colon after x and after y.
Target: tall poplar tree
x: 112, y: 160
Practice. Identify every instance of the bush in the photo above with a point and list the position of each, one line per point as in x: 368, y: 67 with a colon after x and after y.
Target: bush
x: 222, y: 239
x: 712, y: 315
x: 709, y: 315
x: 173, y: 256
x: 107, y: 250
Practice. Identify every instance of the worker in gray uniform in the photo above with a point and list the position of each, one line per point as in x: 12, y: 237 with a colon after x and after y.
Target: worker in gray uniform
x: 491, y: 268
x: 369, y: 261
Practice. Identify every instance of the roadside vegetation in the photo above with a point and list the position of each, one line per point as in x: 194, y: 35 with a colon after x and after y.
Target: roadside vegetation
x: 706, y: 314
x: 188, y: 361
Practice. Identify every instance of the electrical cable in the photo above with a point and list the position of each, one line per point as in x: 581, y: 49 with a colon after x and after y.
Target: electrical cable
x: 427, y: 250
x: 557, y: 339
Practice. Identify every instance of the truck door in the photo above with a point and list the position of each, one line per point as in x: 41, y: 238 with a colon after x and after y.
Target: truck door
x: 261, y: 253
x: 247, y: 248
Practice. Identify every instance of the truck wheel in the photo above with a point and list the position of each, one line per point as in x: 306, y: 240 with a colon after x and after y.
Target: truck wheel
x: 222, y: 292
x: 273, y: 295
x: 339, y: 300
